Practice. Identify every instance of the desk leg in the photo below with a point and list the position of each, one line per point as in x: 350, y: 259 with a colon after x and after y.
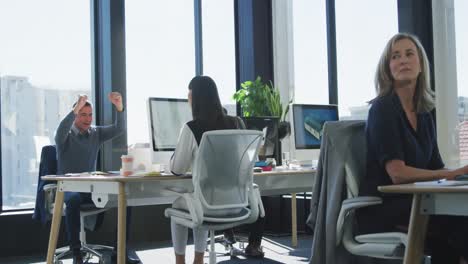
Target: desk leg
x: 293, y: 220
x: 55, y: 227
x: 416, y: 232
x: 121, y: 224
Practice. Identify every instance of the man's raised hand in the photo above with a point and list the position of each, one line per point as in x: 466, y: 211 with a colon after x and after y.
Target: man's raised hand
x: 116, y: 99
x: 82, y: 99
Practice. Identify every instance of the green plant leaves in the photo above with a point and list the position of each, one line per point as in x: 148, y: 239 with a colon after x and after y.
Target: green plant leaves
x: 259, y: 99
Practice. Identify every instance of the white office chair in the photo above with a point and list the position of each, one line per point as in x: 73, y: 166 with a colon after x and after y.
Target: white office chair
x: 90, y: 250
x: 224, y: 194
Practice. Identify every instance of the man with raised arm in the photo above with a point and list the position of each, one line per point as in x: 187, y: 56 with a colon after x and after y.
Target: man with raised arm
x: 78, y: 144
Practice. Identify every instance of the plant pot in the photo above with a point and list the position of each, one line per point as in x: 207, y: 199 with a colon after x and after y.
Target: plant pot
x: 284, y: 129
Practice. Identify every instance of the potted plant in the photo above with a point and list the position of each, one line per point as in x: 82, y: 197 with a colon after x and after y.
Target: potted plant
x: 260, y: 99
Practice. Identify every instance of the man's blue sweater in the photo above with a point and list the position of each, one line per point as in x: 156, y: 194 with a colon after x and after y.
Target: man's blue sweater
x: 77, y: 152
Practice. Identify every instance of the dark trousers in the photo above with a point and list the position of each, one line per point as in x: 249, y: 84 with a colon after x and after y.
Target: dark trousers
x: 256, y: 231
x: 446, y: 239
x: 73, y: 202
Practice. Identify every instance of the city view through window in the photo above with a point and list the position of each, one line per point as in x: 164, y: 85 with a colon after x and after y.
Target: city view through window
x: 461, y: 20
x: 45, y: 61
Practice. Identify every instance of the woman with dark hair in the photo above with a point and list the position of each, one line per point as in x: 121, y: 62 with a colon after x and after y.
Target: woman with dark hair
x: 402, y: 148
x: 208, y: 115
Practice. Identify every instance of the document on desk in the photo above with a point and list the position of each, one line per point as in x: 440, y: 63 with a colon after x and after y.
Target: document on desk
x: 146, y: 174
x: 93, y: 173
x: 83, y: 174
x: 441, y: 183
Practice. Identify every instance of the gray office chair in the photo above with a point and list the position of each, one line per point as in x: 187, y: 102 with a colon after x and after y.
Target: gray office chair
x: 224, y: 194
x: 90, y: 250
x: 388, y: 245
x: 384, y: 245
x: 335, y: 198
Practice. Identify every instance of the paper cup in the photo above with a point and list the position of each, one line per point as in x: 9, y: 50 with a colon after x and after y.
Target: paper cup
x: 127, y: 165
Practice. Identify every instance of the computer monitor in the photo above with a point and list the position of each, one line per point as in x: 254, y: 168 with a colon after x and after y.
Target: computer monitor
x: 167, y: 116
x: 308, y: 123
x: 269, y: 126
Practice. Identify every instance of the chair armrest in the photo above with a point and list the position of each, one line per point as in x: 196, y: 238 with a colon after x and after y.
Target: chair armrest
x: 193, y: 205
x: 348, y: 206
x: 361, y: 201
x: 49, y: 187
x: 179, y: 191
x: 384, y: 238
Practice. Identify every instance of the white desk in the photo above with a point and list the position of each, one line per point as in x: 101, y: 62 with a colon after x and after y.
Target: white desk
x: 120, y: 191
x: 427, y: 200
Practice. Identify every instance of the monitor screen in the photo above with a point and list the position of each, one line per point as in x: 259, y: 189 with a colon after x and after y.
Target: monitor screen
x: 269, y: 126
x: 167, y: 116
x: 308, y: 123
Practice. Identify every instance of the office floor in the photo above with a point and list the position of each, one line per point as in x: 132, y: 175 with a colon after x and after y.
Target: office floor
x: 277, y: 250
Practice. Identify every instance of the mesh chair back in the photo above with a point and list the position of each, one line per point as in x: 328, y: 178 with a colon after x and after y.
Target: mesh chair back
x: 47, y: 166
x: 347, y: 145
x: 223, y: 168
x: 356, y: 157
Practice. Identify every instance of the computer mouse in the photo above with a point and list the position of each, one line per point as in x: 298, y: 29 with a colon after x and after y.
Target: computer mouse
x: 463, y: 177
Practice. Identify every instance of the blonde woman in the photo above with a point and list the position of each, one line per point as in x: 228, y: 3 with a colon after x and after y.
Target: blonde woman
x: 402, y: 148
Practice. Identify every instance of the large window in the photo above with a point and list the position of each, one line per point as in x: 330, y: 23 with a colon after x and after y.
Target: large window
x: 160, y: 54
x: 461, y: 20
x: 363, y: 27
x: 310, y: 52
x: 45, y: 61
x: 219, y: 48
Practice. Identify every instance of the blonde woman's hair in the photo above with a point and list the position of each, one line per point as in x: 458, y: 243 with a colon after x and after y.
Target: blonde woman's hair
x: 423, y: 95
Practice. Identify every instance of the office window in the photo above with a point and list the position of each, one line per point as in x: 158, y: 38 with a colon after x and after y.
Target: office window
x: 461, y: 8
x: 363, y: 27
x: 310, y: 52
x: 45, y: 61
x: 160, y: 56
x: 219, y: 48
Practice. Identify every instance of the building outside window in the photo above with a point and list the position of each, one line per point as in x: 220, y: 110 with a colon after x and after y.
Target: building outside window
x: 45, y: 63
x: 461, y: 7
